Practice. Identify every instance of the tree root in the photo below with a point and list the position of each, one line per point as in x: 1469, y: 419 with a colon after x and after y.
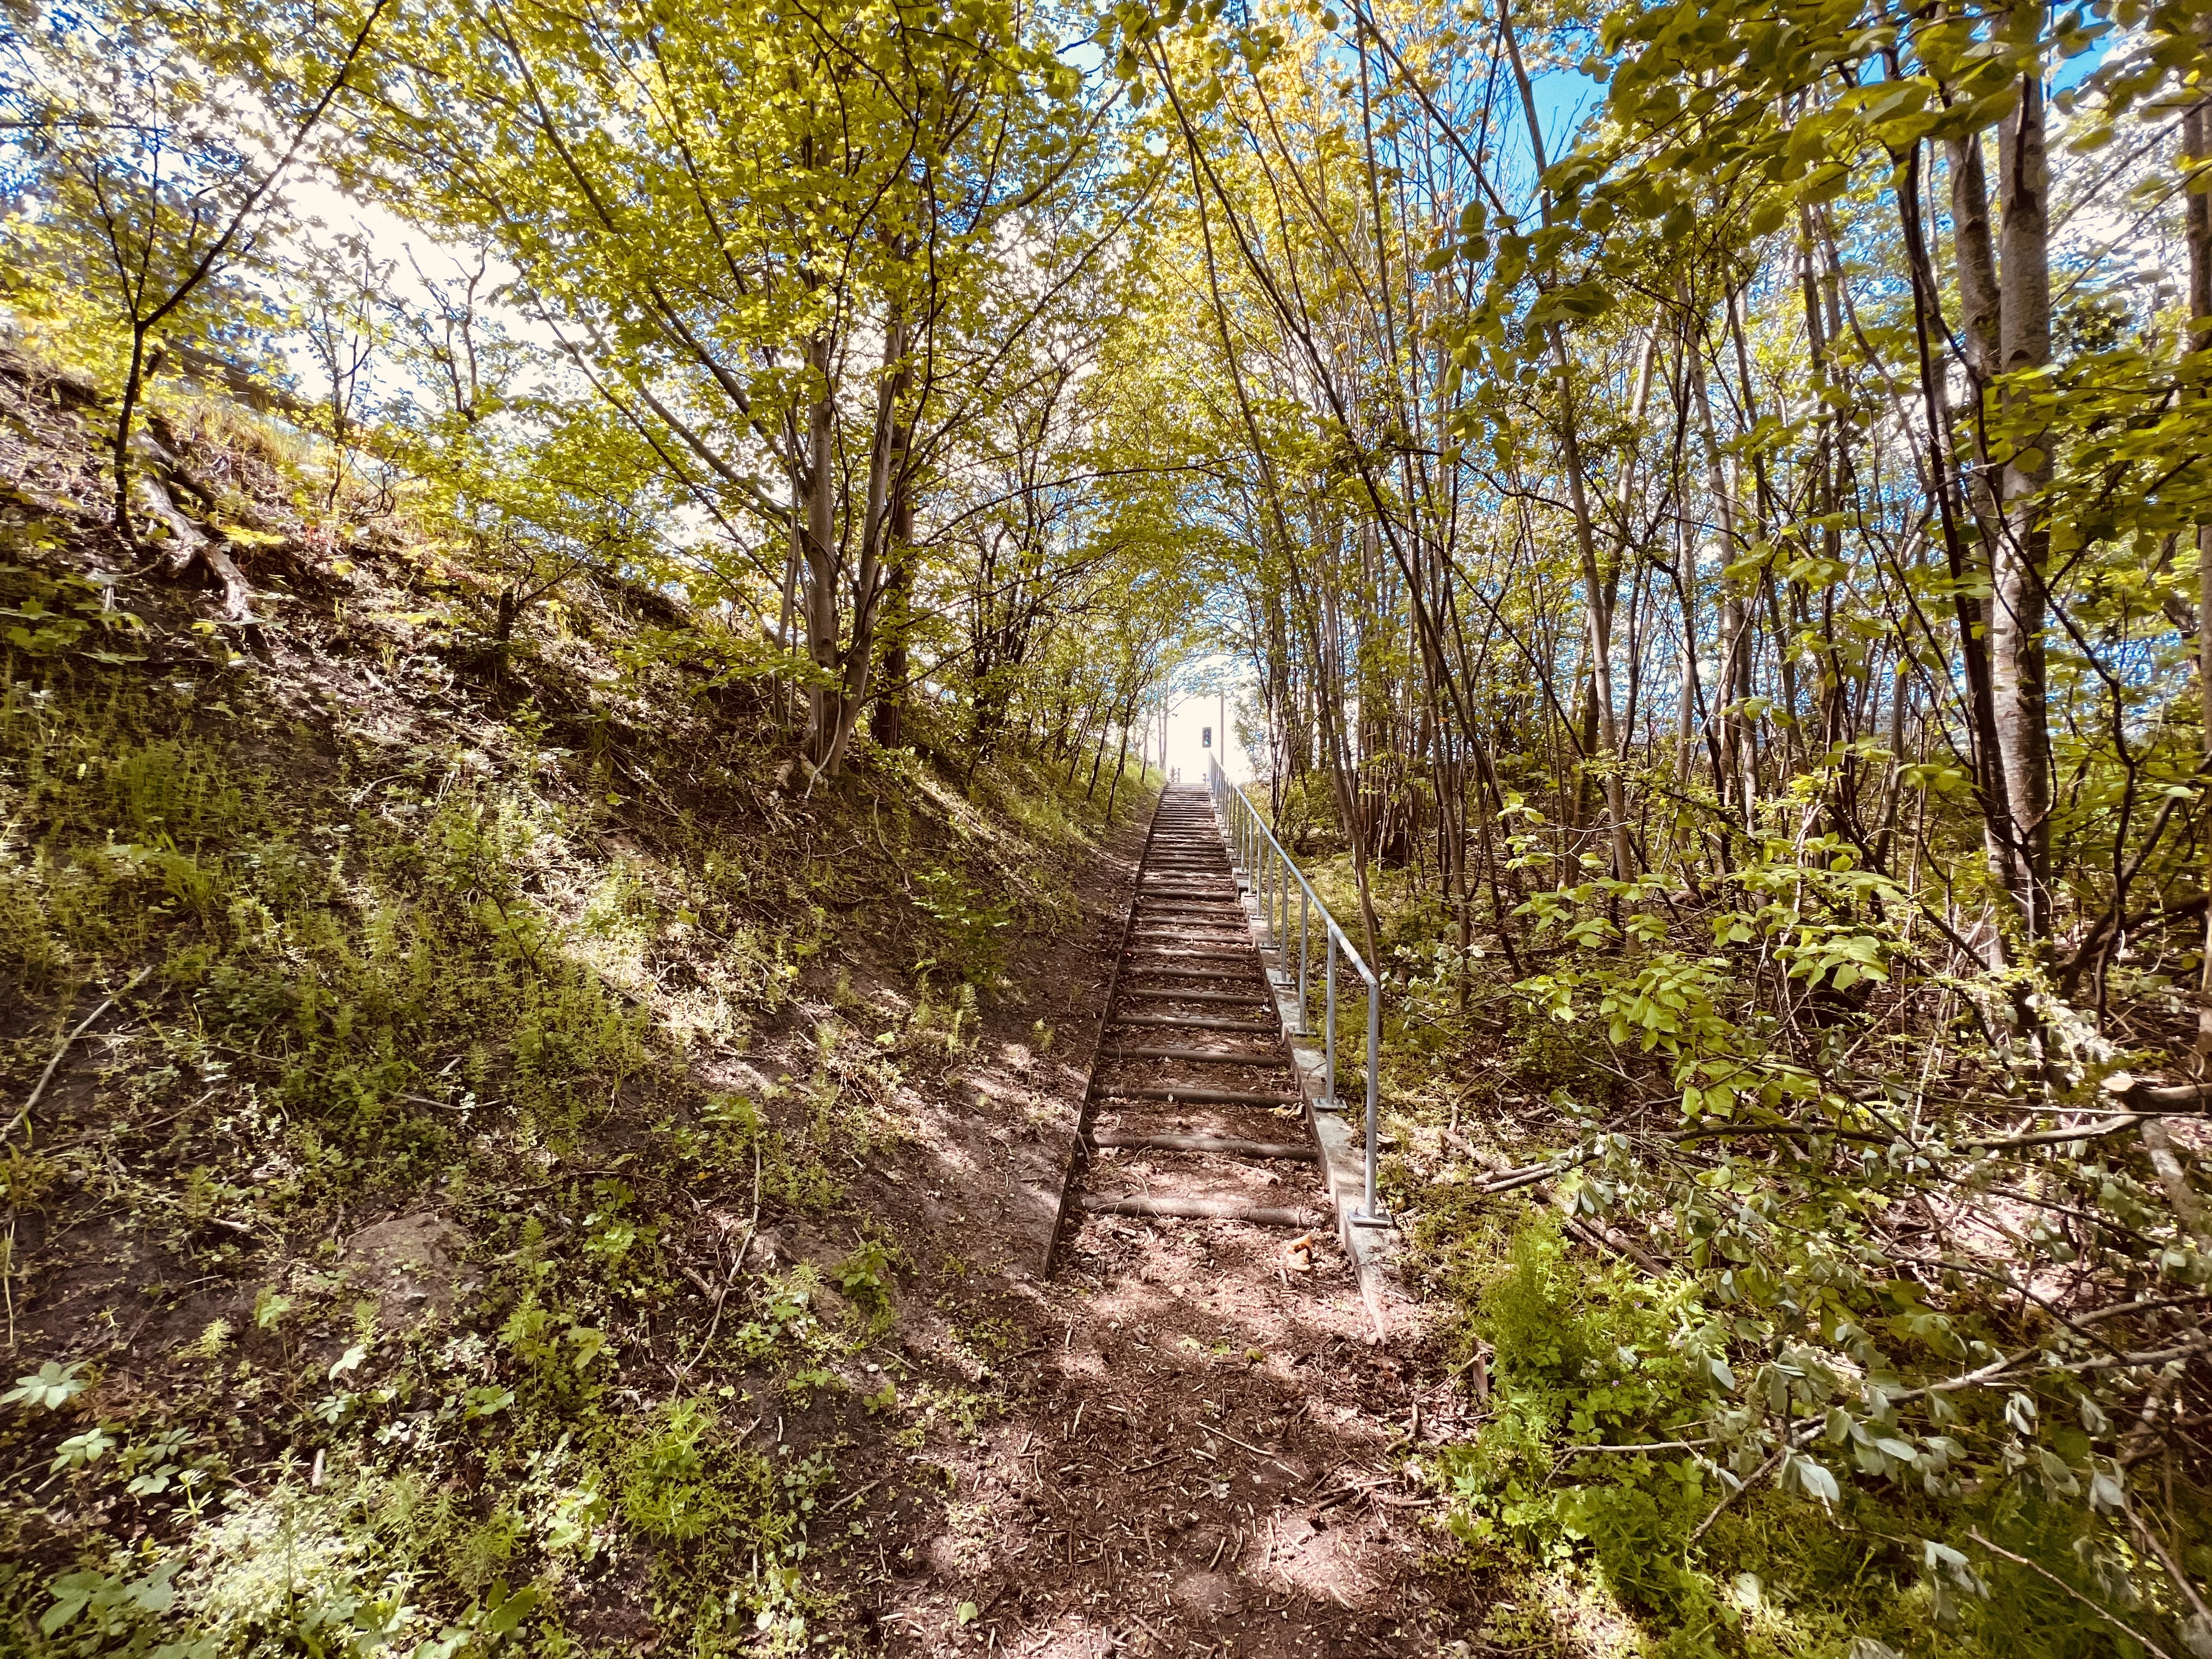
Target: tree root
x: 189, y: 546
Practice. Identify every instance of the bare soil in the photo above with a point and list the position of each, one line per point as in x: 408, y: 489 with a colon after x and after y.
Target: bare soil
x: 1203, y: 1450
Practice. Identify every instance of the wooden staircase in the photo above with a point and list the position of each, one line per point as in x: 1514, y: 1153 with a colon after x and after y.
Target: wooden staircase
x: 1192, y: 1109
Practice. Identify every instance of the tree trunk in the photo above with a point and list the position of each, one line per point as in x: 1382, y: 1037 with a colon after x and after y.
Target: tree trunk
x: 1120, y: 761
x: 1734, y: 780
x: 888, y: 724
x: 2196, y: 144
x: 2017, y: 607
x: 1980, y: 301
x: 818, y: 548
x: 1981, y: 311
x: 1099, y: 759
x: 885, y: 462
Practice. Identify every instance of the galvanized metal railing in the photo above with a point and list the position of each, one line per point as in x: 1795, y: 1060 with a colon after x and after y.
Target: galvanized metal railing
x: 1269, y: 874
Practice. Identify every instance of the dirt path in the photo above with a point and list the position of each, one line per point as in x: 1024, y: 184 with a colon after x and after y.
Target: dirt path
x: 1203, y: 1450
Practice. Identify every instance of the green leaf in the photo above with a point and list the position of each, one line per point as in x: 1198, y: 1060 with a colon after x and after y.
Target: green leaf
x: 48, y: 1388
x: 1814, y: 1482
x: 504, y: 1613
x: 72, y: 1593
x: 1827, y: 182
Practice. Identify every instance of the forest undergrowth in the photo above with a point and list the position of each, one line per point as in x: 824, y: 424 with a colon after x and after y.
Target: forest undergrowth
x: 457, y: 1092
x: 1623, y: 1329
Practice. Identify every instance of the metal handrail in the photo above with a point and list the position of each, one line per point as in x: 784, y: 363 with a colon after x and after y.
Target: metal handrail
x: 1268, y: 873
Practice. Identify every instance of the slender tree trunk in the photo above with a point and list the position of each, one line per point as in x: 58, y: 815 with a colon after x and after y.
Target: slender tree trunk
x: 1098, y: 758
x: 134, y: 382
x: 1120, y: 760
x: 1688, y: 695
x: 2018, y: 608
x: 2197, y: 145
x: 1735, y: 781
x: 1598, y: 585
x: 1999, y: 840
x: 888, y: 725
x: 1974, y: 254
x: 885, y: 462
x: 887, y: 721
x: 1078, y: 737
x: 819, y: 550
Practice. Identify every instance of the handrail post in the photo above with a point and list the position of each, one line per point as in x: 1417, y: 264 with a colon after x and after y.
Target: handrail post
x: 1305, y: 918
x: 1368, y: 1215
x: 1283, y: 923
x: 1280, y: 920
x: 1329, y: 1031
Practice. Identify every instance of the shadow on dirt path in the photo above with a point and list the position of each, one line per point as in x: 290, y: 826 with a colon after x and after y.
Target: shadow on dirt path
x: 1202, y: 1449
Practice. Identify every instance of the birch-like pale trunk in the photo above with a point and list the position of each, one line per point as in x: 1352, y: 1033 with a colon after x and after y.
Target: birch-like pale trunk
x: 1981, y: 311
x: 2019, y: 605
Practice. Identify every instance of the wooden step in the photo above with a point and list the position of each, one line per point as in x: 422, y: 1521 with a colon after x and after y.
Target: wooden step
x: 1195, y: 1022
x: 1200, y: 1056
x: 1195, y: 1097
x: 1131, y: 994
x: 1205, y: 976
x: 1226, y: 1145
x: 1207, y: 1209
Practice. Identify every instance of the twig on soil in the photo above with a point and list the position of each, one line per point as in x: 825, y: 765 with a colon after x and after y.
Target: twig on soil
x: 1248, y: 1446
x: 2149, y: 1646
x: 852, y: 1497
x: 2173, y: 1568
x: 38, y: 1089
x: 1757, y: 1475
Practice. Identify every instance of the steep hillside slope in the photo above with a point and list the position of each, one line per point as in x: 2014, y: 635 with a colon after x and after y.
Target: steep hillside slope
x: 489, y: 1153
